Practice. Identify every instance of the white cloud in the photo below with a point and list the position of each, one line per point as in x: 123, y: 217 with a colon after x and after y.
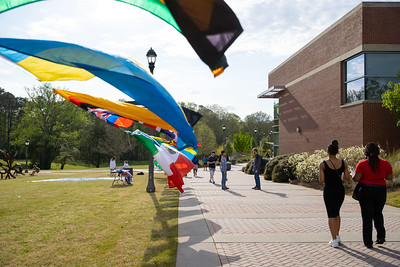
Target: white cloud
x: 49, y: 27
x: 280, y: 28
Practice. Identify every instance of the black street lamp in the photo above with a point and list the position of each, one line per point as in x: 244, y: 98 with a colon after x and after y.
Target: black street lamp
x: 151, y: 59
x: 223, y: 136
x: 271, y: 139
x: 26, y: 155
x: 255, y: 136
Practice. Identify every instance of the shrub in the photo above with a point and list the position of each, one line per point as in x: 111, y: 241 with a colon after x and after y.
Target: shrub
x: 248, y: 169
x: 308, y: 170
x: 394, y: 160
x: 291, y: 164
x: 279, y: 173
x: 269, y: 167
x: 352, y: 155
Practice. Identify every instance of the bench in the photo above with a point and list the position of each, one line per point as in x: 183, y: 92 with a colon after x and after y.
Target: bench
x: 119, y: 176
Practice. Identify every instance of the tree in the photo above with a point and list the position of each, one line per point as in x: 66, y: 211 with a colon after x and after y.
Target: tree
x: 100, y: 141
x: 215, y: 116
x: 391, y: 99
x: 228, y: 147
x: 48, y: 122
x: 205, y: 137
x: 260, y: 121
x: 242, y: 142
x: 10, y: 114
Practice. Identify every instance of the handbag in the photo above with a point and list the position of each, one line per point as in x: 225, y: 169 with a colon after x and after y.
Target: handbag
x: 356, y: 192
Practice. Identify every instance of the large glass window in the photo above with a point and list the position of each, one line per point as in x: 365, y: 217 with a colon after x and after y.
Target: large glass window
x: 367, y: 75
x: 355, y: 91
x: 355, y: 68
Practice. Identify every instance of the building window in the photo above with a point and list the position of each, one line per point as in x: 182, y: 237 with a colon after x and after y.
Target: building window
x: 367, y: 75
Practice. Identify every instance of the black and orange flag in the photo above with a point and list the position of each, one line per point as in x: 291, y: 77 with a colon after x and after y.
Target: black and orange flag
x: 210, y: 26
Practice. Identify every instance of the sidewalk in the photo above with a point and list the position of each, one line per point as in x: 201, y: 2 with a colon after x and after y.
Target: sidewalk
x: 281, y: 225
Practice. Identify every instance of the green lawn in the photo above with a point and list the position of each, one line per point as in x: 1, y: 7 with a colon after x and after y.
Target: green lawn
x: 87, y: 223
x: 393, y: 199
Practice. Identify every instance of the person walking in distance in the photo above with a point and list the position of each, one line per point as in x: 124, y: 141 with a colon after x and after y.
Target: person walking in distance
x: 223, y: 170
x: 212, y: 160
x: 330, y: 174
x: 372, y: 174
x: 257, y: 168
x: 195, y: 161
x: 205, y: 161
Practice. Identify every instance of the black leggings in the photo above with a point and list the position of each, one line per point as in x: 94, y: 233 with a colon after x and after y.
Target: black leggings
x: 372, y: 201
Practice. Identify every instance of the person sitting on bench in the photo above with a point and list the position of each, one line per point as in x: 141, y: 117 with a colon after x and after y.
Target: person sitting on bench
x: 18, y: 169
x: 36, y: 169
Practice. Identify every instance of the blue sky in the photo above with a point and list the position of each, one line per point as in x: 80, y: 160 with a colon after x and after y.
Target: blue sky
x: 273, y: 31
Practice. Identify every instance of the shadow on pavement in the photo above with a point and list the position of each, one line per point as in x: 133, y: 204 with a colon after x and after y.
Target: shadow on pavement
x: 196, y: 247
x: 273, y: 193
x: 370, y: 259
x: 235, y: 193
x: 191, y: 202
x: 391, y: 252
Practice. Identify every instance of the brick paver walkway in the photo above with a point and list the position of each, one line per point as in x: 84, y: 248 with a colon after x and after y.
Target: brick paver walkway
x: 281, y: 225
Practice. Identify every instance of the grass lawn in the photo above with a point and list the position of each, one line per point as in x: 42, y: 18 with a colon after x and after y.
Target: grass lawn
x: 87, y: 223
x: 393, y: 198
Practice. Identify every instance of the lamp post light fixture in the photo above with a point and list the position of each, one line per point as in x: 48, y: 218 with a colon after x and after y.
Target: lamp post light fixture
x: 223, y: 136
x: 151, y: 59
x: 26, y: 155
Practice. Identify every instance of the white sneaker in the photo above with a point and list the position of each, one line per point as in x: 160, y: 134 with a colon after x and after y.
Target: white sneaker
x: 338, y: 239
x: 334, y: 243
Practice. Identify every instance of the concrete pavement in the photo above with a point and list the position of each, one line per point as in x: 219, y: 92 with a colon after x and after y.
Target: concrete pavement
x: 281, y: 225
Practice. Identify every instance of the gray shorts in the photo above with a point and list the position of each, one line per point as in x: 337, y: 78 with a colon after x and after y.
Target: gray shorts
x: 212, y: 170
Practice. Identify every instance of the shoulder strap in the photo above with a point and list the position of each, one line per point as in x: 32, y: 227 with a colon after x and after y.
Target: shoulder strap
x: 335, y: 168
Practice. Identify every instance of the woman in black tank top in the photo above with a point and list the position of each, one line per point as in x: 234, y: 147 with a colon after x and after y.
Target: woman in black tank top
x: 330, y: 174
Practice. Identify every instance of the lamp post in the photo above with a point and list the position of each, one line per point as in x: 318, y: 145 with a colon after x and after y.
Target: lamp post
x: 271, y: 139
x: 262, y: 140
x: 223, y: 136
x: 255, y: 135
x: 26, y: 155
x: 151, y: 59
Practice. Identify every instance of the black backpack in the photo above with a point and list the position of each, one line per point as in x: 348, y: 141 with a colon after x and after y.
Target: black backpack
x: 263, y: 163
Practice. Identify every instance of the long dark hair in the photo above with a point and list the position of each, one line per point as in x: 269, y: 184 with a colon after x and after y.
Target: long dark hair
x: 371, y: 151
x: 333, y: 148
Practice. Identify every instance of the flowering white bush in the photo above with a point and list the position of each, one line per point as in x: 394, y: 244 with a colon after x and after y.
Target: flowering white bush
x: 308, y: 170
x: 292, y: 163
x: 352, y: 155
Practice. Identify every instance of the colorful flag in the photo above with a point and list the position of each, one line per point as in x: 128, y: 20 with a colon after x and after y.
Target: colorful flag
x: 51, y: 61
x: 9, y: 4
x: 172, y: 162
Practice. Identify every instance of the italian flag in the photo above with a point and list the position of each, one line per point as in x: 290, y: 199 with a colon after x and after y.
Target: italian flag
x: 175, y: 164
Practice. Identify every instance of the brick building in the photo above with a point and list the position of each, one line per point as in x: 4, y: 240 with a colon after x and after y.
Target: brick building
x: 331, y: 88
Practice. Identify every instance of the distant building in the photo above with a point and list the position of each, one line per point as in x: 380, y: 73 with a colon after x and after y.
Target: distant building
x: 331, y: 88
